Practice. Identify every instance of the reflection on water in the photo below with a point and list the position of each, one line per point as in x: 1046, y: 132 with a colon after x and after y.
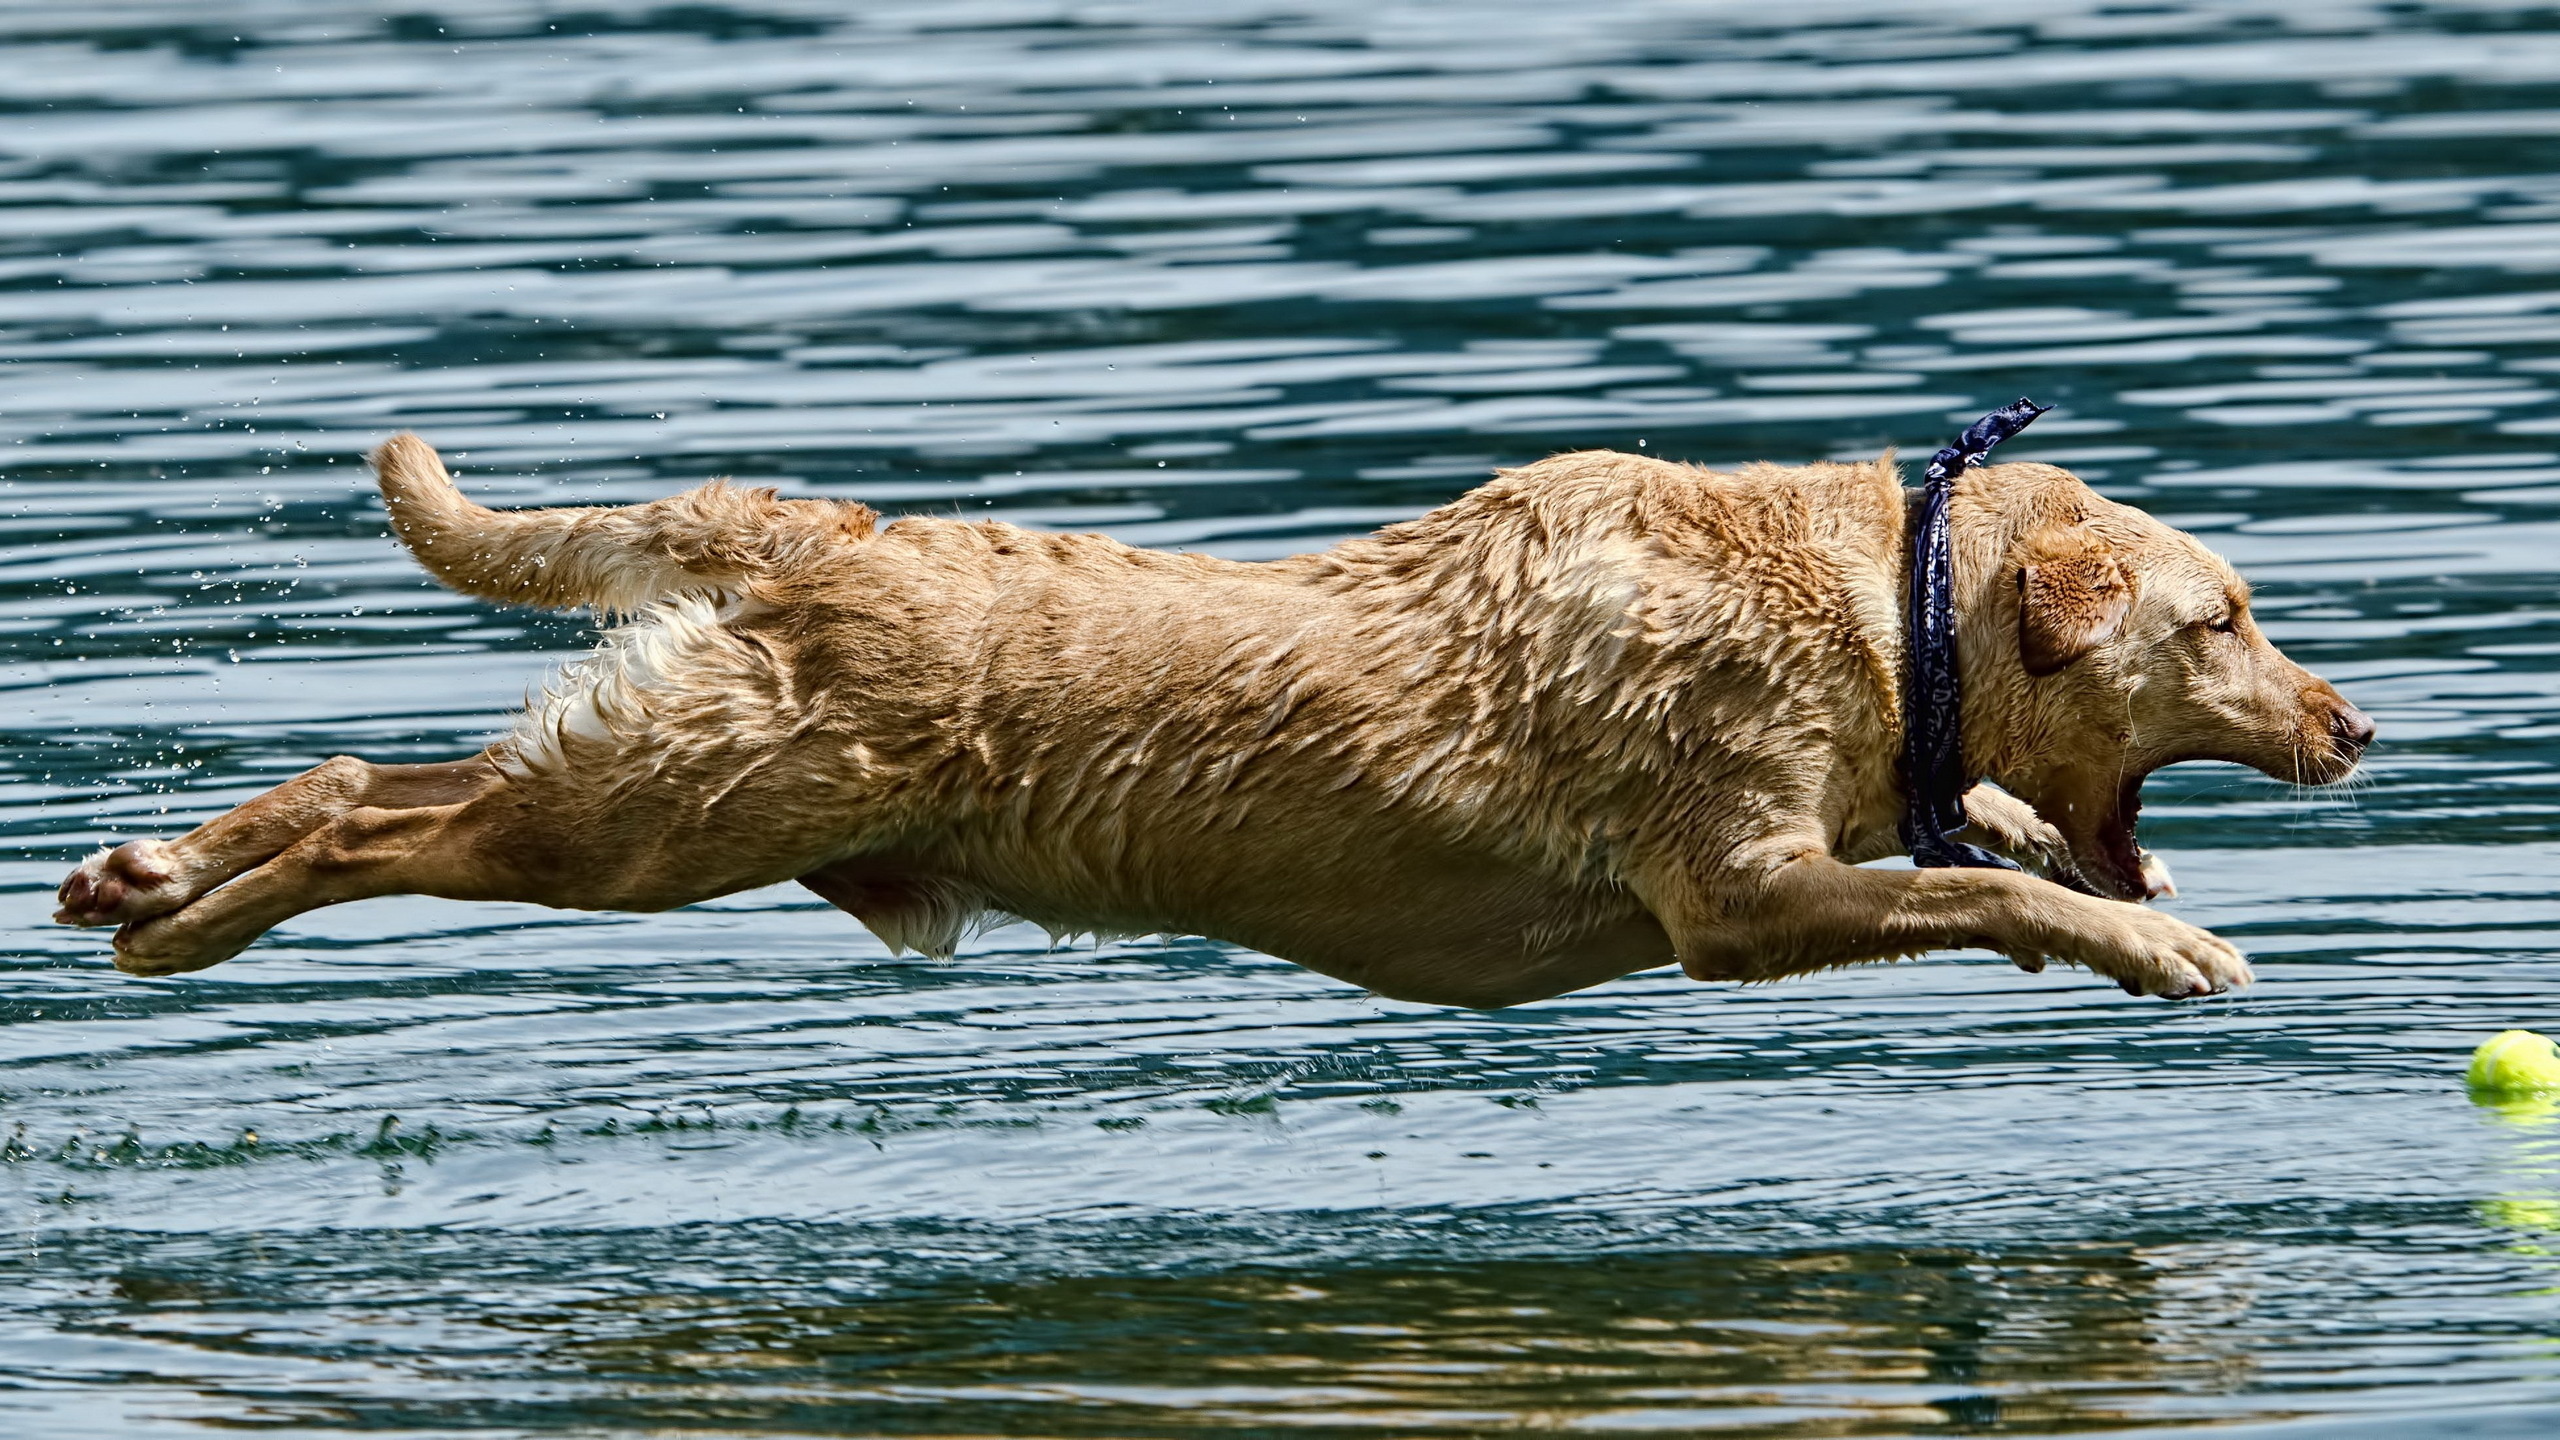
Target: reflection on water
x: 782, y: 1330
x: 1248, y: 277
x: 1660, y: 1342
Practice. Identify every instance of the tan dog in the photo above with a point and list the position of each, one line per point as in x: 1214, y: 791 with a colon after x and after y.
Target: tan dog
x: 1599, y: 715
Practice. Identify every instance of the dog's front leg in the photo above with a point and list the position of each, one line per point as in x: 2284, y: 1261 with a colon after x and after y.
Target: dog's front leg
x: 1812, y: 912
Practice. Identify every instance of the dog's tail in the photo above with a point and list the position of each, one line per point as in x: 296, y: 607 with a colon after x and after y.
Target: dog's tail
x: 712, y: 540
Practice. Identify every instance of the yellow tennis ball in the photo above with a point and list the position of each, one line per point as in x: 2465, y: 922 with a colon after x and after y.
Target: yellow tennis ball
x: 2514, y: 1062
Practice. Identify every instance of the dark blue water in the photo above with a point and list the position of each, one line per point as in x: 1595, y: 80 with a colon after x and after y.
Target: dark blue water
x: 1247, y: 278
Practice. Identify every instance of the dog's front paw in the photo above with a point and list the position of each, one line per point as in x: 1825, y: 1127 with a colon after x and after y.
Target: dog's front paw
x: 133, y: 881
x: 2156, y: 954
x: 2011, y: 826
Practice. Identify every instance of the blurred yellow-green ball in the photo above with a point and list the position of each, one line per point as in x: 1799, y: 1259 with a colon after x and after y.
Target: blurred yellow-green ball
x: 2514, y: 1062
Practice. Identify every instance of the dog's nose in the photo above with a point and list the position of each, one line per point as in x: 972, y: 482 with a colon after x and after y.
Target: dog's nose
x: 2352, y: 727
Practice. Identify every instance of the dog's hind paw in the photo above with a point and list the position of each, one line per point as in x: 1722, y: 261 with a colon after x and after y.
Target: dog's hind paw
x: 173, y: 945
x: 132, y: 881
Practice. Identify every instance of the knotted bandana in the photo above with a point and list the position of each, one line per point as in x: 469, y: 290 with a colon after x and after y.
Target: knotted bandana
x: 1933, y: 775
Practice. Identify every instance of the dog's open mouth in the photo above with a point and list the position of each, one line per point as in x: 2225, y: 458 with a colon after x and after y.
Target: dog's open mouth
x: 2107, y: 859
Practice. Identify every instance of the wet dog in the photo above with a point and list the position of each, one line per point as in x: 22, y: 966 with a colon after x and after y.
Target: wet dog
x: 1602, y: 714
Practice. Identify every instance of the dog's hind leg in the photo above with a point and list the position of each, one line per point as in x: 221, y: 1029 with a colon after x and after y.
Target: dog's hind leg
x: 359, y: 852
x: 555, y: 839
x: 143, y: 878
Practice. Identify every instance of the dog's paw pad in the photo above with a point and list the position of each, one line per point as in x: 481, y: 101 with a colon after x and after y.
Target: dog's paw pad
x: 131, y: 881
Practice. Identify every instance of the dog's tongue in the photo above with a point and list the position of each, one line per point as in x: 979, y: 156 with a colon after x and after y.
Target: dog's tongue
x: 2138, y: 867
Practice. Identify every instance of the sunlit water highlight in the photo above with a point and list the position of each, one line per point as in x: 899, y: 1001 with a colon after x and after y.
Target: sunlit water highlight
x: 1247, y: 278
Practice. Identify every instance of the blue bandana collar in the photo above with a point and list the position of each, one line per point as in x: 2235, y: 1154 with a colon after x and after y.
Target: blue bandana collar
x: 1934, y: 777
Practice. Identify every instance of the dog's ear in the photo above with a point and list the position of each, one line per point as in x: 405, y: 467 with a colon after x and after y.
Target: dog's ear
x: 2073, y: 597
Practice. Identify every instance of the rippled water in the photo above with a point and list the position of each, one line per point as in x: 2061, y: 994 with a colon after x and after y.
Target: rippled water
x: 1247, y: 278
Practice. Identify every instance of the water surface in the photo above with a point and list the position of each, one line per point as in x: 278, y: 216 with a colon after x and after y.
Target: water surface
x: 1246, y: 278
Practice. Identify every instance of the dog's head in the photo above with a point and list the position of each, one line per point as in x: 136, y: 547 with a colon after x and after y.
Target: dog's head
x: 2100, y: 645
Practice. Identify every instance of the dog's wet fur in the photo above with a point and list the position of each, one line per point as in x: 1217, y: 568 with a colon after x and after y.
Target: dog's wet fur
x: 1602, y: 714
